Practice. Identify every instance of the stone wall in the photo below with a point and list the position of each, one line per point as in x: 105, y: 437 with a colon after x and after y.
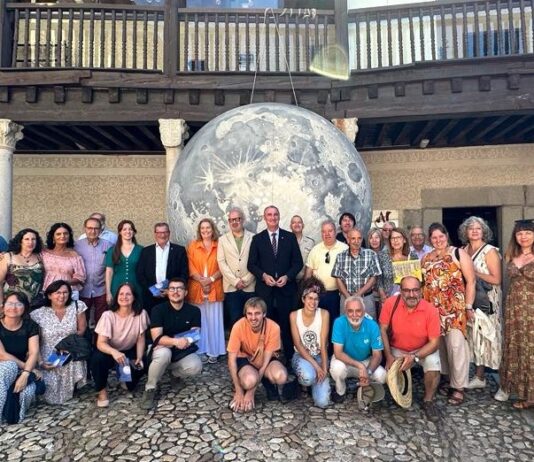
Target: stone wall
x: 50, y: 188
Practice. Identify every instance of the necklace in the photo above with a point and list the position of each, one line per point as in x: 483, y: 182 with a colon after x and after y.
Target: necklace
x: 527, y: 253
x: 26, y: 258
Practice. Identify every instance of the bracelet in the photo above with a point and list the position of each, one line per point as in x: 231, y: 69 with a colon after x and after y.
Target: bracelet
x: 212, y: 279
x: 25, y: 370
x: 468, y: 306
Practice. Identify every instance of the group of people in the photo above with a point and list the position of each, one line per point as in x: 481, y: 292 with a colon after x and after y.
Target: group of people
x: 363, y: 309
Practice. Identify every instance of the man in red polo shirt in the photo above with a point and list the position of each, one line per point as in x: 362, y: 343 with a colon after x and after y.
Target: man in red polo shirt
x: 414, y: 336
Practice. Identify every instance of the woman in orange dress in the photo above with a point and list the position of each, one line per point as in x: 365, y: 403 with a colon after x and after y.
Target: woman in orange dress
x: 205, y: 289
x: 444, y: 271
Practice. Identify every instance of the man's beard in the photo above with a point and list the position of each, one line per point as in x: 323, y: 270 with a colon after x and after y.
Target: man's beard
x: 356, y: 324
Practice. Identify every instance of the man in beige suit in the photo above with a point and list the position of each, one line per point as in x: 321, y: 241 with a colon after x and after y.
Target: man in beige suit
x: 232, y: 255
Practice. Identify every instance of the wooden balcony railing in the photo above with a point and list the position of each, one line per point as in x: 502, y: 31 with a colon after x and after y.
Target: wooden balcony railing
x: 166, y: 38
x: 182, y: 40
x: 394, y: 36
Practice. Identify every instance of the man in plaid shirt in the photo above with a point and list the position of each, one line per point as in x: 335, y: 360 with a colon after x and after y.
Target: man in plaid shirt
x: 356, y: 270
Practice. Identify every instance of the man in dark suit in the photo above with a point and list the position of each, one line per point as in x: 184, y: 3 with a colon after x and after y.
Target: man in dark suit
x: 275, y: 260
x: 159, y: 262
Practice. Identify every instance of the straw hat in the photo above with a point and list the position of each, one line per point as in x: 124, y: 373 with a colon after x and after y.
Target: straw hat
x: 400, y: 384
x: 371, y: 393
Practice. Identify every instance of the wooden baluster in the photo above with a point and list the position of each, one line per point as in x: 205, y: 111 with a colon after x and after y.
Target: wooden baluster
x: 91, y: 37
x: 37, y: 46
x: 226, y: 44
x: 277, y: 42
x: 412, y: 36
x: 48, y: 36
x: 134, y: 40
x: 464, y: 31
x: 195, y: 44
x: 500, y: 44
x: 358, y: 44
x: 368, y: 39
x: 298, y: 67
x: 454, y: 33
x: 26, y: 36
x: 155, y: 40
x: 390, y: 39
x: 432, y: 34
x: 70, y: 40
x: 524, y: 36
x: 267, y: 45
x: 316, y: 35
x: 186, y: 43
x: 401, y: 45
x: 257, y: 63
x: 476, y: 41
x: 489, y: 35
x: 307, y: 43
x: 124, y: 39
x: 443, y: 32
x: 247, y: 42
x: 113, y: 37
x: 145, y: 40
x: 102, y: 38
x: 15, y: 45
x: 288, y: 58
x: 80, y: 37
x: 59, y: 38
x: 379, y: 38
x: 237, y: 42
x: 206, y: 42
x: 511, y: 29
x: 216, y: 42
x: 422, y: 34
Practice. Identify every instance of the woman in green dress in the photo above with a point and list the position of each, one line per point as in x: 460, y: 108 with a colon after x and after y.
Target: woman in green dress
x: 122, y: 259
x: 21, y: 267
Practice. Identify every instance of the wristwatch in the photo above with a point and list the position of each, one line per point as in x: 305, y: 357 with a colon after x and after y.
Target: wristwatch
x: 369, y: 372
x: 416, y: 358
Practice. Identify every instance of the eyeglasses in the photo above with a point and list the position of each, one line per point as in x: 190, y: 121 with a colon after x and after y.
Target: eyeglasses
x: 327, y: 258
x: 161, y: 232
x: 417, y: 235
x: 395, y: 238
x: 234, y: 220
x: 410, y: 291
x: 13, y: 305
x: 91, y: 228
x: 176, y: 289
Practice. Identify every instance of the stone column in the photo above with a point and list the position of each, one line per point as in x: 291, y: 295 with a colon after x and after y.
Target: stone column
x: 348, y: 126
x: 10, y: 133
x: 173, y: 133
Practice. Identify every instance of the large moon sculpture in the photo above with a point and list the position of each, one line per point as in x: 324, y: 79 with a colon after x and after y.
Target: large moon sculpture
x: 263, y: 154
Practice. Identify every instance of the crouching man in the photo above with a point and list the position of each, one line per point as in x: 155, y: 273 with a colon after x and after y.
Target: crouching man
x: 252, y: 356
x: 357, y: 349
x: 411, y: 330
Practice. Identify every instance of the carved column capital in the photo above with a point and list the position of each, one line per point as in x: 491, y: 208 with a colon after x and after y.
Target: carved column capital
x: 173, y: 132
x: 348, y: 126
x: 10, y: 133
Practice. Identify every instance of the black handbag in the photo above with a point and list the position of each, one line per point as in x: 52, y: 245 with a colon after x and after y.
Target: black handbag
x: 78, y: 347
x: 482, y: 301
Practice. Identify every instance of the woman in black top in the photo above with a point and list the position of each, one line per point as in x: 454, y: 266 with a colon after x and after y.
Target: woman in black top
x: 19, y: 351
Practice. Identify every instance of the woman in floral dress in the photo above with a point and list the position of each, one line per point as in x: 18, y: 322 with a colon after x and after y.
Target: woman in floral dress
x: 517, y: 366
x: 61, y: 318
x: 444, y: 271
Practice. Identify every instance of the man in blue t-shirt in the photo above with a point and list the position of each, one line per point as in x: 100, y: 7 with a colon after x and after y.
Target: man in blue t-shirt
x: 357, y: 348
x: 3, y: 244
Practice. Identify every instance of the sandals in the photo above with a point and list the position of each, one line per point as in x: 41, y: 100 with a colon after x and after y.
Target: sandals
x: 456, y: 397
x: 522, y: 405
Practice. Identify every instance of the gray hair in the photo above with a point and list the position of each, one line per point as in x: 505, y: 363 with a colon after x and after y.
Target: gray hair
x: 238, y: 210
x: 354, y: 298
x: 328, y: 222
x: 487, y: 235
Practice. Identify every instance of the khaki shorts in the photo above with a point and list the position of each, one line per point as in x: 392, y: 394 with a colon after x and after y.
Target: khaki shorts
x: 428, y: 363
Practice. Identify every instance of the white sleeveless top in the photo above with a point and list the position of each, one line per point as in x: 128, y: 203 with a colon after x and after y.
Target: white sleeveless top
x: 310, y: 336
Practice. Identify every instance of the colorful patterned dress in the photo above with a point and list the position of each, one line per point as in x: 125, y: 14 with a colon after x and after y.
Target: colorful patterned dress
x: 25, y: 278
x: 517, y: 366
x: 486, y: 352
x: 444, y: 287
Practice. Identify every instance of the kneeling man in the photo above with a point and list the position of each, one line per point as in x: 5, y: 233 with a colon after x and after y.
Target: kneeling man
x: 413, y: 335
x: 357, y: 348
x: 252, y: 346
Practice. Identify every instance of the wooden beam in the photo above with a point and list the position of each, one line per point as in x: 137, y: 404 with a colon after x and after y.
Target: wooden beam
x: 519, y: 133
x: 381, y: 134
x: 429, y: 125
x: 55, y: 140
x: 443, y: 131
x: 498, y: 121
x: 123, y: 130
x: 461, y: 130
x: 79, y: 140
x: 86, y: 132
x: 509, y: 127
x: 404, y: 129
x: 105, y: 133
x: 150, y: 135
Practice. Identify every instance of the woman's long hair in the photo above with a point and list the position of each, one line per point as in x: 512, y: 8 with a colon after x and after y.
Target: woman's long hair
x: 116, y: 255
x: 136, y: 306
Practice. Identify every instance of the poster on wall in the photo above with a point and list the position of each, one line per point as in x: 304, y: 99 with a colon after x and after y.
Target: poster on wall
x: 382, y: 216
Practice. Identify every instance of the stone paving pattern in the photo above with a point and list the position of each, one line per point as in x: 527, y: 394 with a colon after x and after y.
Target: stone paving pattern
x: 195, y: 424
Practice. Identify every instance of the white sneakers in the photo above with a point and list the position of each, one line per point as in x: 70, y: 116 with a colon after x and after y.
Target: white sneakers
x: 475, y: 382
x: 501, y: 395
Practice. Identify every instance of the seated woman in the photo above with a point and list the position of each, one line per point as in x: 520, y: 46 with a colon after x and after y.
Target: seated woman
x: 19, y: 351
x: 21, y: 268
x: 60, y: 318
x: 121, y: 341
x: 309, y: 328
x: 61, y: 261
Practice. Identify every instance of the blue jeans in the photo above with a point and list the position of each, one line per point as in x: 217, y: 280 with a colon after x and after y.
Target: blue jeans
x: 307, y: 376
x: 234, y: 303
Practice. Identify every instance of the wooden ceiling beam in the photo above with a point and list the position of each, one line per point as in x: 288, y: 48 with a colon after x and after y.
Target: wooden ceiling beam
x: 56, y: 140
x: 83, y: 132
x: 498, y: 121
x: 144, y: 129
x: 104, y: 131
x: 512, y: 126
x: 443, y: 132
x: 464, y: 128
x: 124, y: 131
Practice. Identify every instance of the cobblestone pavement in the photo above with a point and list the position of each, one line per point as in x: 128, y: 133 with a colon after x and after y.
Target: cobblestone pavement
x: 195, y: 424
